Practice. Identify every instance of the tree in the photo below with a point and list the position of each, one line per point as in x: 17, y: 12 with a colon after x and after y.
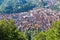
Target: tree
x: 8, y: 31
x: 40, y: 36
x: 56, y: 26
x: 52, y: 34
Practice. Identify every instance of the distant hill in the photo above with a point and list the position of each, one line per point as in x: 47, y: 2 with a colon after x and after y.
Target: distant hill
x: 16, y: 6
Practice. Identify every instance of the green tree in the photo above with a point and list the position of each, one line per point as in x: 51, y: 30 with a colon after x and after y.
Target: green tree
x: 56, y: 26
x: 51, y: 35
x: 54, y: 32
x: 8, y: 31
x: 40, y: 36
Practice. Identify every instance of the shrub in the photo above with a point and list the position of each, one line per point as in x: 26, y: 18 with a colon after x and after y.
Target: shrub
x: 8, y: 31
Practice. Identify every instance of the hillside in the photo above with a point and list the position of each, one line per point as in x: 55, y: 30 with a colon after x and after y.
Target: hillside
x: 40, y: 19
x: 17, y: 6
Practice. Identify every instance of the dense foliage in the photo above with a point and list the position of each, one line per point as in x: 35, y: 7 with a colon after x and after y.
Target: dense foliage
x: 9, y: 32
x: 51, y: 34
